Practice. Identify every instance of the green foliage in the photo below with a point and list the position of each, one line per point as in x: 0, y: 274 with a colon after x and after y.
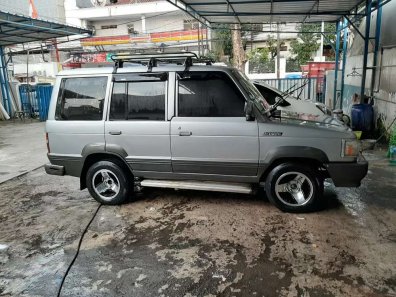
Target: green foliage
x: 259, y: 55
x: 272, y: 46
x: 308, y: 41
x: 306, y: 44
x: 223, y: 44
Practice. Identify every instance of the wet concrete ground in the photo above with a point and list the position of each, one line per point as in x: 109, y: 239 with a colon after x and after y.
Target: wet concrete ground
x: 185, y: 243
x: 22, y: 147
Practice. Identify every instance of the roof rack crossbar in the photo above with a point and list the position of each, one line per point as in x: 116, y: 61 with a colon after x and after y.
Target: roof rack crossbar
x: 151, y: 60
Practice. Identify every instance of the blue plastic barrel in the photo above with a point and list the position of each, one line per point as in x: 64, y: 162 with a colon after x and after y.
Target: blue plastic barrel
x: 362, y: 117
x: 43, y: 93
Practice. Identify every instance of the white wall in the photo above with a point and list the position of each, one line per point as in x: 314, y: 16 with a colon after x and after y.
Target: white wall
x: 172, y: 22
x: 116, y: 11
x: 385, y: 86
x: 46, y: 69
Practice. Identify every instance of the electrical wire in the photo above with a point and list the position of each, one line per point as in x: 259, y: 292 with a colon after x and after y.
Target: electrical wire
x: 78, y: 251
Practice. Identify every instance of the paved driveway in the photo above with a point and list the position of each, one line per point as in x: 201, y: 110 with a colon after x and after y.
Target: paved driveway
x: 22, y: 147
x: 185, y: 243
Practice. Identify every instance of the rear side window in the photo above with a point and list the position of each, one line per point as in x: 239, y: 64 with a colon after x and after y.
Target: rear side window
x: 139, y: 97
x: 209, y: 94
x: 81, y: 99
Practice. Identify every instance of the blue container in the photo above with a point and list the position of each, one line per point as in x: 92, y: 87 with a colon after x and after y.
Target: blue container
x: 43, y: 93
x: 362, y: 116
x: 28, y: 99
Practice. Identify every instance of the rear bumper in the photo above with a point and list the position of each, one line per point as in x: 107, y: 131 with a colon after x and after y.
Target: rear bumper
x: 54, y: 169
x: 348, y: 174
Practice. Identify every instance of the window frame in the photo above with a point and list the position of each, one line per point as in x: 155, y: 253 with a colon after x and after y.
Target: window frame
x: 136, y: 81
x: 176, y: 110
x: 60, y: 94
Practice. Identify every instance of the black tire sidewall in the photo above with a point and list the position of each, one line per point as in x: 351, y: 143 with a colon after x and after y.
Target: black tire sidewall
x: 312, y: 204
x: 125, y: 184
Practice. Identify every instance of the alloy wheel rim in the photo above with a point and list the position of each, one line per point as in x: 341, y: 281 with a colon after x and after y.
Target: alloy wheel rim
x: 294, y: 188
x: 106, y: 184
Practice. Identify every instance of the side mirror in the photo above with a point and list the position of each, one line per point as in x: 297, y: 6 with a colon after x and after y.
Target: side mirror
x: 249, y: 111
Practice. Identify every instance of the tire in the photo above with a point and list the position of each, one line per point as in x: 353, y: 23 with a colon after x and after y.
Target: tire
x: 108, y: 183
x: 294, y: 187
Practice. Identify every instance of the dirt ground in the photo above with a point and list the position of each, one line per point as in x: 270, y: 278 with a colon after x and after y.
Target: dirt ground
x: 186, y: 243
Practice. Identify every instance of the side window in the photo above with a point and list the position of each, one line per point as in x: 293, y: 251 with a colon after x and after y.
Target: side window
x: 139, y: 98
x: 209, y: 94
x: 81, y: 99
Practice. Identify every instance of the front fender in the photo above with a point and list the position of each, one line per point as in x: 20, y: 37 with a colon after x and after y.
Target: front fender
x: 304, y: 152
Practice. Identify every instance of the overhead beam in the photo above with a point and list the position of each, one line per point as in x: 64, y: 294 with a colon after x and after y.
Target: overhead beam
x: 354, y: 26
x: 321, y: 13
x: 233, y: 10
x: 245, y: 2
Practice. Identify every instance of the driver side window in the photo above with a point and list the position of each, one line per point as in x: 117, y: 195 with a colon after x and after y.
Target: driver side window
x: 209, y: 94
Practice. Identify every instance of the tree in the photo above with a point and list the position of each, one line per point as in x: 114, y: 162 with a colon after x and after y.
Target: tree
x: 272, y: 45
x: 238, y: 51
x: 223, y: 44
x: 308, y: 41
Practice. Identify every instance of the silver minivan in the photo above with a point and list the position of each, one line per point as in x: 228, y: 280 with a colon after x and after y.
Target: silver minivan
x: 157, y: 124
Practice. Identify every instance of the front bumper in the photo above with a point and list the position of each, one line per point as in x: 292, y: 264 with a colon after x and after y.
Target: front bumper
x: 348, y: 174
x: 54, y: 169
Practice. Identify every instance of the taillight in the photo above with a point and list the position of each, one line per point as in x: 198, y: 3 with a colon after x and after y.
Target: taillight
x: 47, y: 141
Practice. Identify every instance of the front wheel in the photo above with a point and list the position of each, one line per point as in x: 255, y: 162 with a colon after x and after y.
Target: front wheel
x: 294, y: 188
x: 108, y: 183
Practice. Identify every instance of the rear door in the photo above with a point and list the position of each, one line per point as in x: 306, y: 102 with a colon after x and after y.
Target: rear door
x: 137, y: 123
x: 209, y: 134
x: 76, y: 116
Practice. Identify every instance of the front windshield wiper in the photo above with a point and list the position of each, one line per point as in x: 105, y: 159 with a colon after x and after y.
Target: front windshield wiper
x: 272, y: 108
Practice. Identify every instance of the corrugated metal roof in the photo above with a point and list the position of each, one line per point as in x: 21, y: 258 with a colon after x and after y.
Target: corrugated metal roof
x: 266, y: 11
x: 15, y: 29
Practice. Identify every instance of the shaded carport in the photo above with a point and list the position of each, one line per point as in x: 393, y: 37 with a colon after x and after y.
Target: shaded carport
x: 19, y: 29
x: 344, y: 13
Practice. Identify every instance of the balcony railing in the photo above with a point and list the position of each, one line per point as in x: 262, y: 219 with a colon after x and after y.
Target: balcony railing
x: 156, y: 37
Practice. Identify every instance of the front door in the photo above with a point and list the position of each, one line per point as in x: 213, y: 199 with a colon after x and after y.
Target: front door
x: 209, y: 134
x: 137, y: 122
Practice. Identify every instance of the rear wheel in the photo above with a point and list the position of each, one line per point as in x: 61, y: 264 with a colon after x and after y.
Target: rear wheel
x: 108, y: 183
x: 294, y: 188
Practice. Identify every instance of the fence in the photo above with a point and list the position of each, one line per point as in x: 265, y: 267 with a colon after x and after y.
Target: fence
x: 35, y: 100
x: 304, y: 88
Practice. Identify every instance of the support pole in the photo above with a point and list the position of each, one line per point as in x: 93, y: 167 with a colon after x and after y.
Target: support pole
x: 344, y: 58
x: 337, y: 62
x: 5, y: 88
x: 277, y: 52
x: 366, y: 46
x: 376, y: 46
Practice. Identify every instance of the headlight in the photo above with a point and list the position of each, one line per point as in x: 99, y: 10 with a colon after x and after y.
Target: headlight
x: 350, y: 148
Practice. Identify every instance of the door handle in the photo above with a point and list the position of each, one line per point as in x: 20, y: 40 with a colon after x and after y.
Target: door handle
x: 185, y: 133
x: 115, y: 132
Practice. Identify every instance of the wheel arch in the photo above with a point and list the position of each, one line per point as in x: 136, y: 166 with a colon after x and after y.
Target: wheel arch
x: 306, y: 156
x: 92, y: 158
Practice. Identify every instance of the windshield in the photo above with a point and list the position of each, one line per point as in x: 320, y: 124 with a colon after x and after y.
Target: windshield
x: 252, y: 91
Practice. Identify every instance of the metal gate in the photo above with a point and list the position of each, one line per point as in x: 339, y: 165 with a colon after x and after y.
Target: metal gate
x: 304, y: 88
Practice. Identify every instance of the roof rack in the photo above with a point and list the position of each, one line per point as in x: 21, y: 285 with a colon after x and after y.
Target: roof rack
x: 151, y: 60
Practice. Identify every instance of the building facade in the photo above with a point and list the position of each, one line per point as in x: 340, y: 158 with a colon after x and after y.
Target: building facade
x: 133, y: 26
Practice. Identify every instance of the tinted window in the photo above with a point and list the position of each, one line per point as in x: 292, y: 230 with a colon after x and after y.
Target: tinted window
x: 209, y: 94
x: 118, y: 107
x: 81, y: 99
x: 143, y: 99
